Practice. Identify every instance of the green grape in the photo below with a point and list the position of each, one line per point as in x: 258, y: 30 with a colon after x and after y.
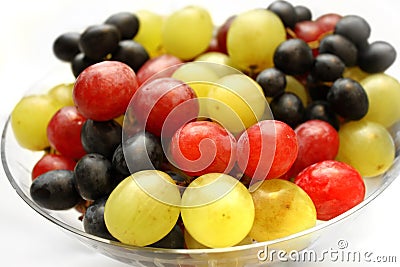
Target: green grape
x: 199, y: 76
x: 63, y: 94
x: 296, y: 87
x: 218, y: 58
x: 355, y: 73
x: 143, y: 208
x: 195, y: 71
x: 187, y: 32
x: 252, y: 39
x: 282, y: 208
x: 236, y: 102
x: 383, y: 93
x: 367, y: 146
x: 149, y: 34
x: 29, y: 120
x: 217, y: 210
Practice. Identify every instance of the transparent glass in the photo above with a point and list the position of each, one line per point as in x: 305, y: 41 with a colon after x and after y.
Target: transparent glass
x: 18, y: 162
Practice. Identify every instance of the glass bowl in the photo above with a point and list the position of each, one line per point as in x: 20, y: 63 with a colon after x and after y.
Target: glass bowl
x: 17, y: 163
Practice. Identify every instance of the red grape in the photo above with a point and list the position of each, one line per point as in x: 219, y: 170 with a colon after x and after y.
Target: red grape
x: 156, y: 65
x: 202, y: 147
x: 51, y: 162
x: 333, y: 186
x: 222, y: 32
x: 103, y: 91
x: 308, y: 30
x: 327, y: 22
x: 318, y: 141
x: 163, y: 105
x: 267, y: 149
x: 64, y: 132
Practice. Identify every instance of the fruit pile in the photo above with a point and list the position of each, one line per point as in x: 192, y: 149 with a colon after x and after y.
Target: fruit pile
x: 181, y: 134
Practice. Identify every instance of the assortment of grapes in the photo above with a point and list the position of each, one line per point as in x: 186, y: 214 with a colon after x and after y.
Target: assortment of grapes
x: 179, y: 134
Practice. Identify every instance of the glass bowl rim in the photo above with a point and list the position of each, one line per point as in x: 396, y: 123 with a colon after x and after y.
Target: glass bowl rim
x: 321, y: 226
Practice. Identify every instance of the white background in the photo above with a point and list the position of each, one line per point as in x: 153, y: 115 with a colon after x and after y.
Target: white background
x: 27, y: 30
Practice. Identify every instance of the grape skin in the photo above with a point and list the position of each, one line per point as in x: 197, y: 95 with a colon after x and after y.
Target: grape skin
x: 256, y: 55
x: 236, y: 102
x: 29, y: 120
x: 149, y: 34
x: 143, y: 209
x: 217, y: 210
x: 383, y: 93
x: 281, y: 208
x: 367, y: 146
x: 187, y: 32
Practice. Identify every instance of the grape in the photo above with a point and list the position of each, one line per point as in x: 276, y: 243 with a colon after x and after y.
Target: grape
x: 294, y: 86
x: 157, y: 65
x: 281, y: 208
x: 131, y: 53
x: 64, y: 132
x: 173, y: 239
x: 322, y: 110
x: 285, y: 11
x: 354, y: 28
x: 327, y: 68
x: 272, y: 81
x: 97, y: 41
x: 127, y: 23
x: 66, y: 46
x: 195, y: 71
x: 303, y: 13
x: 267, y: 150
x: 340, y: 46
x: 142, y: 151
x: 149, y: 34
x: 142, y: 209
x: 333, y: 186
x: 93, y: 220
x: 265, y: 30
x: 367, y: 146
x: 383, y: 93
x: 103, y: 91
x: 288, y: 108
x: 327, y: 22
x: 49, y: 162
x: 317, y: 90
x: 377, y: 57
x: 221, y: 60
x: 293, y: 57
x: 348, y: 98
x: 163, y: 105
x: 202, y: 147
x: 222, y: 33
x: 29, y: 120
x: 317, y: 141
x: 93, y: 177
x: 187, y: 32
x: 55, y: 190
x: 192, y: 243
x: 217, y: 210
x: 355, y: 73
x: 81, y: 62
x: 63, y: 94
x: 236, y: 102
x: 307, y: 30
x: 101, y: 137
x: 199, y: 77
